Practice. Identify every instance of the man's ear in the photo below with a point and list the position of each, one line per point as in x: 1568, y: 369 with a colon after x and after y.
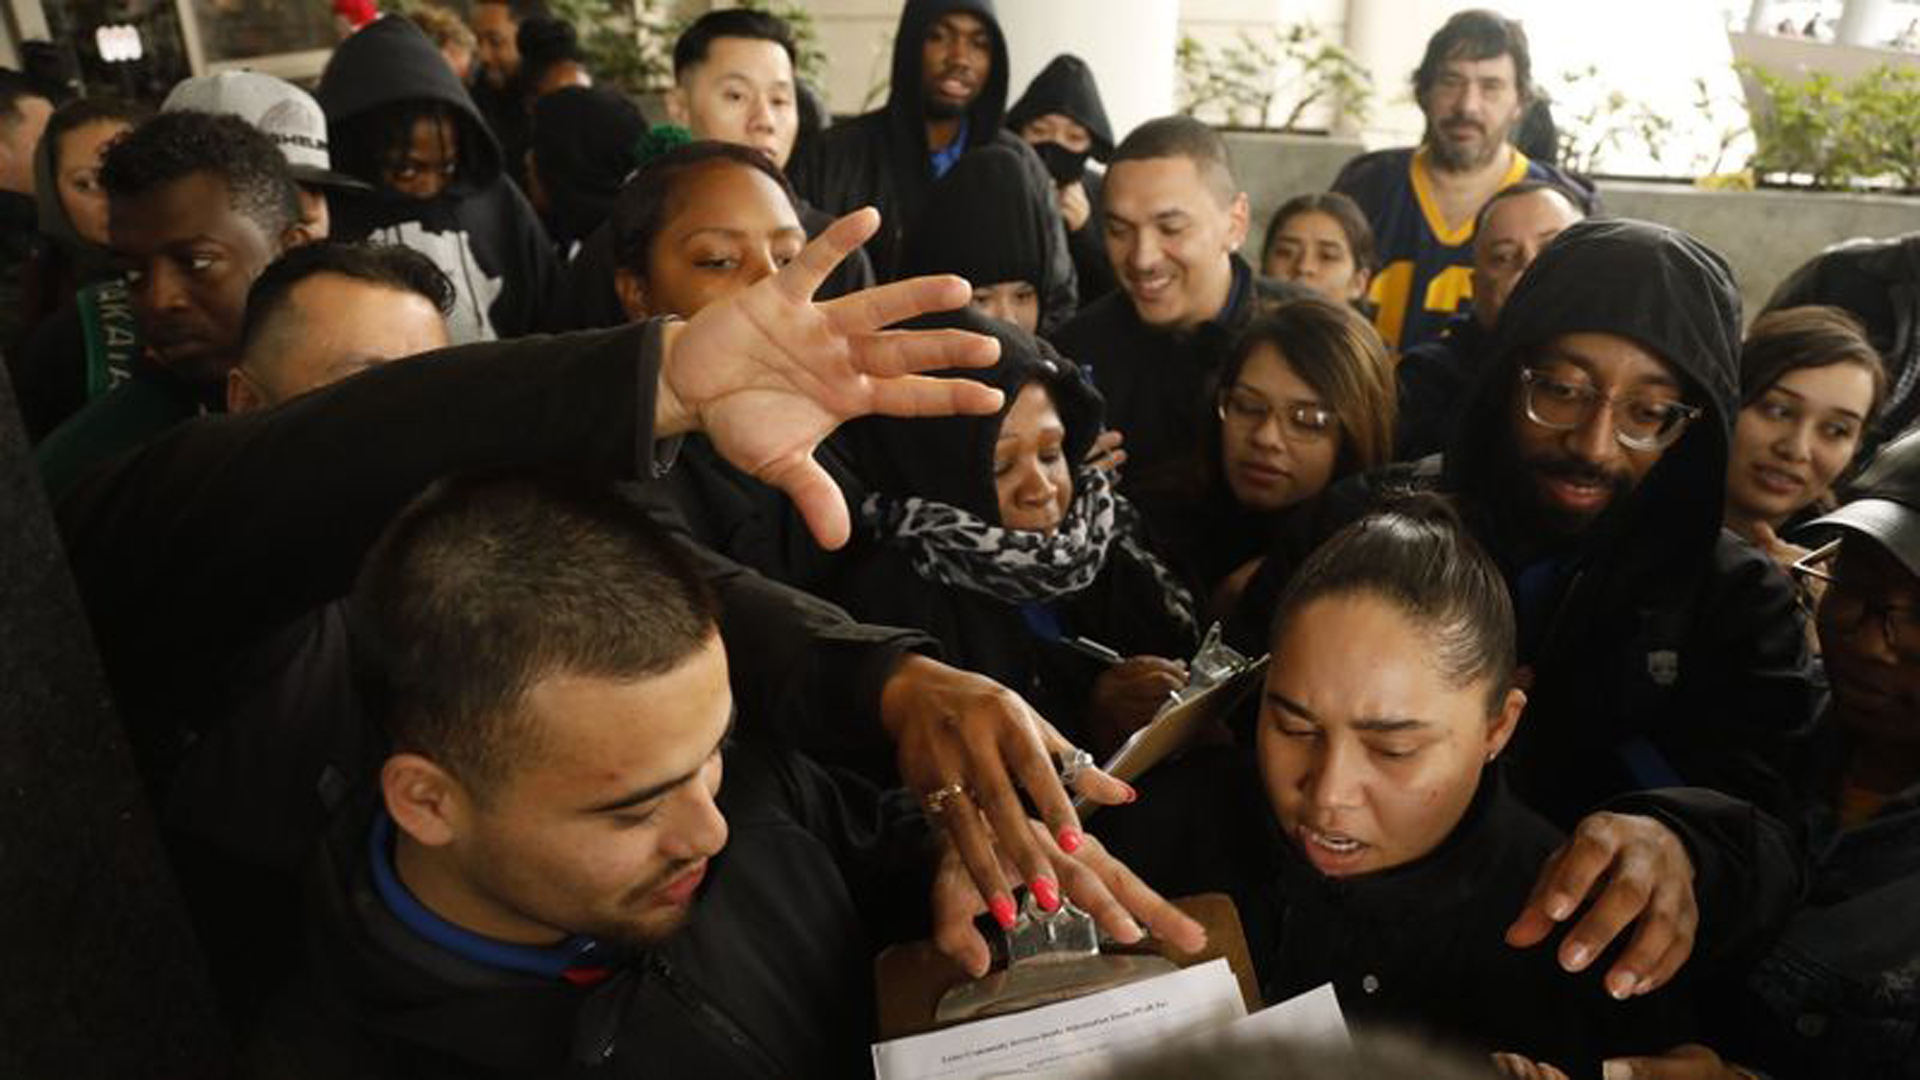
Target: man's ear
x: 1238, y: 214
x: 677, y: 110
x: 1362, y: 278
x: 243, y: 394
x: 1501, y: 727
x: 424, y: 800
x: 632, y: 290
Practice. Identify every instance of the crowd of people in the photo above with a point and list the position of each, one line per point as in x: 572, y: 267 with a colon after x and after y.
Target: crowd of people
x: 463, y: 478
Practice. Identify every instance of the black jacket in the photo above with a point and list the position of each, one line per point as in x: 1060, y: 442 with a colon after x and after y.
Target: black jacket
x: 1419, y: 946
x: 1066, y: 86
x: 1433, y: 378
x: 1674, y: 654
x: 986, y: 221
x: 1157, y: 383
x: 480, y: 230
x: 950, y: 460
x: 771, y: 977
x: 880, y: 158
x: 241, y: 695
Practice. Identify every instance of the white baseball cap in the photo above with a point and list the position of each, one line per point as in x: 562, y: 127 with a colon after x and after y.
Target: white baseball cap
x: 280, y: 110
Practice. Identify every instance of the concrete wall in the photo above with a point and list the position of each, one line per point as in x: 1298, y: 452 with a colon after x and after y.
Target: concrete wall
x: 1764, y: 235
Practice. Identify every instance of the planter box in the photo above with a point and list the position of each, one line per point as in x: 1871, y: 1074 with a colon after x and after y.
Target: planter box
x: 1763, y: 234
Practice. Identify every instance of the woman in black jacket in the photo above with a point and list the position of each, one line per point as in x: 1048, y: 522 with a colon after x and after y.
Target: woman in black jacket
x: 1368, y: 840
x: 996, y: 536
x: 1305, y: 399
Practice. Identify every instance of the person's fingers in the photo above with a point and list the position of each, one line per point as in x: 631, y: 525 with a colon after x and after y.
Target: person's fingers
x: 869, y: 310
x: 1158, y: 665
x: 1661, y: 944
x: 801, y: 278
x: 956, y: 902
x: 922, y: 395
x: 1533, y: 924
x: 907, y: 352
x: 1624, y: 899
x: 994, y: 793
x: 1129, y: 901
x: 968, y: 832
x: 1095, y: 785
x: 1567, y: 878
x: 1030, y: 762
x: 1661, y: 971
x: 815, y: 495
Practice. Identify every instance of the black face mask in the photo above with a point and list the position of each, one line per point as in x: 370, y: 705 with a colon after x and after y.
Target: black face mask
x: 1064, y: 165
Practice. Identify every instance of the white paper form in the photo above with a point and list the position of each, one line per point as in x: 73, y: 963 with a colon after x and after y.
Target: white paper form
x: 1314, y: 1016
x: 1069, y: 1036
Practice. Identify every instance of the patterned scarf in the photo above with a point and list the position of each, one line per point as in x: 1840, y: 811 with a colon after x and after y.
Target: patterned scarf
x: 950, y: 546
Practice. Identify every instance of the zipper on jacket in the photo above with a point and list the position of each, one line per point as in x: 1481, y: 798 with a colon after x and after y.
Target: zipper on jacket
x: 712, y: 1014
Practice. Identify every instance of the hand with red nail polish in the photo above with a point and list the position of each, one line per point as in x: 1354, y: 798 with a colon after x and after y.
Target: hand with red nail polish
x: 1069, y: 840
x: 1003, y: 913
x: 1046, y: 893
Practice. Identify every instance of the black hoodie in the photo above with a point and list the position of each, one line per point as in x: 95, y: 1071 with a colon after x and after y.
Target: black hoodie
x: 950, y: 460
x: 948, y: 237
x: 1066, y: 86
x: 480, y: 229
x: 881, y: 158
x: 1666, y: 651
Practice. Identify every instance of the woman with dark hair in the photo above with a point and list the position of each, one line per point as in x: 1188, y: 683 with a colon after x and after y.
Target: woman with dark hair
x: 697, y: 222
x: 1321, y: 240
x: 1368, y: 839
x: 993, y: 534
x: 1306, y: 398
x: 71, y: 204
x: 1810, y: 386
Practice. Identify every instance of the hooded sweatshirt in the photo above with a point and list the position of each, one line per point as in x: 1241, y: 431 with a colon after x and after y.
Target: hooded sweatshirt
x: 949, y: 460
x: 1664, y: 651
x: 583, y: 143
x: 1066, y: 86
x: 986, y: 185
x: 882, y: 159
x: 479, y: 230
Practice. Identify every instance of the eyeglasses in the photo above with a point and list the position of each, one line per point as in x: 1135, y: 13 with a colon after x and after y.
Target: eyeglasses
x: 1300, y: 421
x: 1847, y: 606
x: 1640, y: 422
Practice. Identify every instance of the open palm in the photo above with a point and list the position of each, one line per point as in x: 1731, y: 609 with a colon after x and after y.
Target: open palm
x: 768, y: 373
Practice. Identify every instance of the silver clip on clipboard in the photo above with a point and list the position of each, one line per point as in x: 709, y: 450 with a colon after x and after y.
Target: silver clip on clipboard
x: 1218, y: 676
x: 1050, y: 957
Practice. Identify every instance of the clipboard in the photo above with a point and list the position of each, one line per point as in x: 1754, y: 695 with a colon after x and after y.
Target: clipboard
x: 911, y: 979
x: 1221, y: 679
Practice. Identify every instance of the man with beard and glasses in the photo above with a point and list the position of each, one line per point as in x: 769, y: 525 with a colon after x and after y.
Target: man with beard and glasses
x: 1661, y: 656
x: 1473, y: 84
x: 949, y: 95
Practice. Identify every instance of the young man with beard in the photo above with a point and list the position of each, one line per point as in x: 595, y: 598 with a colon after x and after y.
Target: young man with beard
x: 554, y: 877
x: 181, y: 553
x: 1473, y: 84
x: 949, y: 95
x: 197, y: 206
x: 1658, y: 651
x: 1174, y: 219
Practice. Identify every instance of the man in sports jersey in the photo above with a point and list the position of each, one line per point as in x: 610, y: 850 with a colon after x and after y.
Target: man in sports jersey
x: 1473, y: 84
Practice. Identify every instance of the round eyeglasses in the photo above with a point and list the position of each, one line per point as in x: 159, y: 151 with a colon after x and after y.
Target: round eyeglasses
x: 1641, y: 421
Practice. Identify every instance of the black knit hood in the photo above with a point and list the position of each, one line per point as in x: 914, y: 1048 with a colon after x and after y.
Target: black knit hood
x: 950, y: 459
x: 1673, y: 296
x: 583, y: 150
x: 390, y: 61
x: 905, y: 98
x: 982, y: 221
x: 1066, y: 86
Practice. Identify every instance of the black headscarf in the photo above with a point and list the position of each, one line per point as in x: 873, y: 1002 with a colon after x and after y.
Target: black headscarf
x: 583, y: 144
